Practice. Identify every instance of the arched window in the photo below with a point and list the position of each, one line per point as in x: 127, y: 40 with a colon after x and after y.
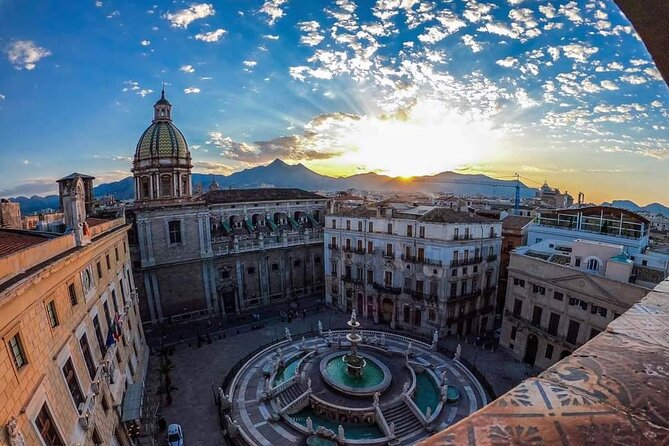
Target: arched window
x: 144, y: 188
x: 166, y: 186
x: 184, y: 185
x: 593, y: 265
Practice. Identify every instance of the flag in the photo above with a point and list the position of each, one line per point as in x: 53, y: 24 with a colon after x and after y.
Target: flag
x: 110, y: 338
x: 117, y: 327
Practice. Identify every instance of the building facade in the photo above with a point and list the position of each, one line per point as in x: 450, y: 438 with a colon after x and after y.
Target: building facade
x: 562, y: 294
x: 514, y: 234
x: 420, y: 268
x: 72, y: 340
x: 218, y: 252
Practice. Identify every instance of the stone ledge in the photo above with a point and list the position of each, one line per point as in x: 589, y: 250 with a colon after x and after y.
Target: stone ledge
x: 614, y: 390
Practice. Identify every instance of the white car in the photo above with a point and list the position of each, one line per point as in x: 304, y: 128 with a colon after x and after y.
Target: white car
x: 175, y: 436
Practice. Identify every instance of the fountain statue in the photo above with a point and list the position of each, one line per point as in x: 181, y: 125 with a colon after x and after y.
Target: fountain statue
x: 310, y: 425
x: 308, y: 383
x: 320, y: 328
x: 383, y: 339
x: 409, y: 348
x: 405, y: 388
x: 435, y: 339
x: 458, y: 353
x: 340, y: 433
x: 289, y: 338
x: 428, y: 412
x: 303, y: 343
x: 330, y: 335
x: 391, y: 429
x: 354, y: 362
x: 444, y: 378
x: 376, y: 399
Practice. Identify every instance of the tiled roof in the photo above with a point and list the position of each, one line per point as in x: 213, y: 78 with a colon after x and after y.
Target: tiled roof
x: 515, y: 222
x: 360, y: 211
x: 12, y: 241
x: 264, y: 194
x: 448, y: 215
x: 95, y: 221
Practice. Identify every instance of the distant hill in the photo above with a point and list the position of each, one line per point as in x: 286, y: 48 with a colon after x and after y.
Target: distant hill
x: 280, y: 174
x: 654, y: 208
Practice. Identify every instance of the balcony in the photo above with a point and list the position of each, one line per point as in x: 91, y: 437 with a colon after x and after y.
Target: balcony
x: 347, y: 248
x: 388, y: 255
x: 351, y: 280
x: 333, y: 247
x: 466, y: 262
x: 491, y: 258
x: 386, y: 288
x: 359, y: 251
x: 539, y: 330
x: 465, y: 296
x: 421, y: 260
x: 463, y: 237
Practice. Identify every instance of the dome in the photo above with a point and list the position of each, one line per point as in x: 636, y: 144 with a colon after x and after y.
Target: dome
x: 162, y: 139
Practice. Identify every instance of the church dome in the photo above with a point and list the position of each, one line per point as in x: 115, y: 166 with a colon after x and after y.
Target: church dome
x: 162, y: 139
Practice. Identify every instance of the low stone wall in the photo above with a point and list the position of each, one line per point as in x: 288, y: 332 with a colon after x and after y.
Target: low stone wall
x: 614, y: 390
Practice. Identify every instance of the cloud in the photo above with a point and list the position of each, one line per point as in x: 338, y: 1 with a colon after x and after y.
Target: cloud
x: 184, y: 17
x: 191, y: 90
x: 25, y: 54
x: 134, y: 87
x: 579, y: 52
x: 312, y: 37
x: 572, y: 12
x: 2, y: 97
x: 273, y: 9
x: 270, y: 37
x: 211, y: 36
x: 187, y: 68
x: 250, y: 63
x: 212, y: 167
x: 145, y: 42
x: 609, y: 85
x: 653, y: 73
x: 507, y: 62
x: 634, y: 80
x: 38, y: 186
x: 98, y: 3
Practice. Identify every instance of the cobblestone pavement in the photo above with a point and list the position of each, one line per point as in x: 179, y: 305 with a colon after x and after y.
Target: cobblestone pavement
x: 199, y: 371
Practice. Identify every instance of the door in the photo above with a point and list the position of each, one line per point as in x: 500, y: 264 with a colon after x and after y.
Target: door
x: 387, y: 310
x: 531, y: 350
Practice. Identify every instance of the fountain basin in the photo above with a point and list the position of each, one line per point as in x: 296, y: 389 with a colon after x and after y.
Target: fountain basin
x: 373, y: 377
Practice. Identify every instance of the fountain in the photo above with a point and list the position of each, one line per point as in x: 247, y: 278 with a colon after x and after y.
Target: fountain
x: 354, y: 362
x: 355, y: 373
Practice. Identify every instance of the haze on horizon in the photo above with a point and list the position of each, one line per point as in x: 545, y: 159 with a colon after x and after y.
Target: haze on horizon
x: 555, y: 90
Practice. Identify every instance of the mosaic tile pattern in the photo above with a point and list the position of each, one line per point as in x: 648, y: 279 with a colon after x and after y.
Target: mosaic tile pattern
x: 613, y: 391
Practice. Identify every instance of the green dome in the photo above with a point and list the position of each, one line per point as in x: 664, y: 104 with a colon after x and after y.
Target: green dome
x: 162, y: 139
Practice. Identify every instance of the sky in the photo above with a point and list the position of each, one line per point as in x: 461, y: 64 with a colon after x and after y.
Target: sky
x: 562, y: 91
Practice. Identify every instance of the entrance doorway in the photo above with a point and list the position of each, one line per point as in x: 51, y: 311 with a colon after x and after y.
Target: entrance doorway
x: 531, y: 350
x: 387, y: 310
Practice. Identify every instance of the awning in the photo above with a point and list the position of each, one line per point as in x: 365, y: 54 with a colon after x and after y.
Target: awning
x: 226, y: 226
x: 132, y: 402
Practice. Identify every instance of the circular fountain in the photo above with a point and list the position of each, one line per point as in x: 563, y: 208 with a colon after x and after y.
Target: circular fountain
x: 355, y: 373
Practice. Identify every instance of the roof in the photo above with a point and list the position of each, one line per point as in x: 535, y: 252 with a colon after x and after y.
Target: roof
x: 360, y: 211
x: 516, y: 222
x: 132, y: 402
x: 263, y: 194
x: 74, y: 175
x: 92, y: 221
x: 14, y: 240
x: 448, y: 215
x: 161, y: 139
x: 596, y: 211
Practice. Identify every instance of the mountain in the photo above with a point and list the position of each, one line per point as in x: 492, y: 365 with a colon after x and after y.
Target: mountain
x: 653, y: 208
x: 280, y: 174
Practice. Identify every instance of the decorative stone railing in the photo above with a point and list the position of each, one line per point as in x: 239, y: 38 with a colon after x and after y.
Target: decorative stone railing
x: 297, y: 404
x: 381, y: 421
x: 614, y: 390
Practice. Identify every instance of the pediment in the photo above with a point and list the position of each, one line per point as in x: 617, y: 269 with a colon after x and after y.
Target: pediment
x: 583, y: 283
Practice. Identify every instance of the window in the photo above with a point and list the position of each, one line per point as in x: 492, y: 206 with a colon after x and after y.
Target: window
x: 360, y: 248
x: 47, y: 428
x: 464, y: 271
x: 577, y: 262
x: 297, y: 263
x: 145, y: 187
x: 388, y: 278
x: 519, y: 282
x: 371, y: 226
x: 517, y: 307
x: 370, y: 276
x: 558, y: 296
x: 334, y: 269
x: 536, y: 316
x: 107, y: 261
x: 98, y: 335
x: 88, y: 357
x: 594, y: 309
x: 348, y: 225
x: 275, y: 266
x: 99, y: 268
x: 370, y: 247
x: 360, y: 226
x: 225, y: 274
x: 333, y: 242
x: 334, y: 224
x: 105, y: 308
x: 593, y: 265
x: 174, y: 228
x: 389, y: 249
x: 72, y: 291
x: 456, y: 233
x: 51, y: 312
x: 539, y: 289
x: 549, y: 351
x: 390, y: 228
x: 116, y: 253
x: 251, y: 271
x: 454, y: 272
x: 16, y: 347
x: 553, y: 324
x: 572, y: 333
x: 114, y: 301
x: 409, y: 231
x: 347, y: 271
x: 73, y: 383
x: 454, y: 289
x: 513, y: 333
x: 421, y: 232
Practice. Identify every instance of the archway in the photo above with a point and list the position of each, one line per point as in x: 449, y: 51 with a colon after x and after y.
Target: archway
x: 531, y: 349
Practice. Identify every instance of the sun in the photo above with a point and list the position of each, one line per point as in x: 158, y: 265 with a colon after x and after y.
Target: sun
x: 428, y: 139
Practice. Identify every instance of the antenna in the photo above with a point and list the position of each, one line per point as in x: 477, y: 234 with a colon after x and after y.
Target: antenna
x: 516, y: 202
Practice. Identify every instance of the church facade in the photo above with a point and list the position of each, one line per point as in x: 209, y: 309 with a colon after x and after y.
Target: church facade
x: 217, y: 252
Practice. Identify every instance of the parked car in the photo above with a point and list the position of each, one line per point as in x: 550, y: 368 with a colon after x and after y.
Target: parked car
x: 175, y: 436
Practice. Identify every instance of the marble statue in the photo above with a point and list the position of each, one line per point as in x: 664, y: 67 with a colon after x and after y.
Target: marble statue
x: 458, y: 353
x: 435, y: 339
x: 391, y: 428
x: 310, y: 425
x: 338, y: 342
x: 409, y: 348
x: 383, y: 339
x: 288, y: 336
x: 428, y: 413
x: 444, y: 377
x: 15, y: 435
x: 376, y: 398
x: 320, y: 328
x: 354, y: 317
x: 223, y: 399
x: 330, y: 335
x: 340, y: 432
x: 309, y: 383
x: 405, y: 388
x: 302, y: 343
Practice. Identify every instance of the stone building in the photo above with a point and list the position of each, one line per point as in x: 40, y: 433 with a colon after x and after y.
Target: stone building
x: 562, y: 294
x: 514, y: 234
x: 10, y: 214
x: 219, y: 252
x: 420, y: 268
x: 72, y: 341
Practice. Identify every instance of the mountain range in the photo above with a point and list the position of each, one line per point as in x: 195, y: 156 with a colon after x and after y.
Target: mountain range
x: 280, y: 174
x: 653, y: 208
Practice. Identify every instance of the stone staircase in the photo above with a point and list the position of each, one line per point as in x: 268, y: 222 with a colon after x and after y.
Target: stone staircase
x: 289, y: 395
x: 405, y: 421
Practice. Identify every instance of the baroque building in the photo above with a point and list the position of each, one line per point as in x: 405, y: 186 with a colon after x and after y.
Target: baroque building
x: 420, y: 268
x: 73, y: 346
x: 218, y: 252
